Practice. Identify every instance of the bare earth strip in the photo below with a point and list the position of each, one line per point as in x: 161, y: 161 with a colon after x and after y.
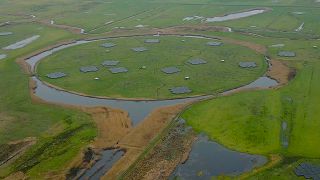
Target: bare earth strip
x: 141, y: 136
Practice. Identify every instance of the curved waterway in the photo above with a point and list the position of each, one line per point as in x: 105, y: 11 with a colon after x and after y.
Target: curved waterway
x: 138, y: 110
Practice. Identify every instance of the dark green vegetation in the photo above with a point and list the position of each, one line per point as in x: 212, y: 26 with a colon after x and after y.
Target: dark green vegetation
x: 171, y: 51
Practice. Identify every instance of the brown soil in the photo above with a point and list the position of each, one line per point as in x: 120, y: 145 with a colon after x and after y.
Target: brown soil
x: 112, y: 124
x: 280, y: 72
x: 140, y: 137
x: 16, y: 176
x: 188, y: 28
x: 256, y: 47
x: 14, y: 149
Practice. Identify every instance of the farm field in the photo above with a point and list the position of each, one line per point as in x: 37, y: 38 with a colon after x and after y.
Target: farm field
x: 142, y: 123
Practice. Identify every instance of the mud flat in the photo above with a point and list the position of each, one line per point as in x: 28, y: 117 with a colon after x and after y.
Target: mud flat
x: 234, y: 16
x: 22, y: 43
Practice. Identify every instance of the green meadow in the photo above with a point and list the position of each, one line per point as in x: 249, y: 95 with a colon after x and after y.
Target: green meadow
x: 60, y: 133
x: 210, y: 78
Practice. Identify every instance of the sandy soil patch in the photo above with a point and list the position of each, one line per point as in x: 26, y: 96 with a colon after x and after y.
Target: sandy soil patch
x: 280, y: 72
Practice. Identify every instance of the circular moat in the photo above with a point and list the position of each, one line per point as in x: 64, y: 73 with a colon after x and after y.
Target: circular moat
x: 151, y: 67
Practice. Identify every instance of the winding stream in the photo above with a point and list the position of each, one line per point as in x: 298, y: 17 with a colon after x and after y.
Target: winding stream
x: 138, y: 110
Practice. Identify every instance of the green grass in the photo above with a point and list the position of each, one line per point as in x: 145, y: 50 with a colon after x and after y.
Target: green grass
x: 171, y: 51
x: 20, y: 117
x: 93, y: 15
x: 285, y: 170
x: 251, y: 121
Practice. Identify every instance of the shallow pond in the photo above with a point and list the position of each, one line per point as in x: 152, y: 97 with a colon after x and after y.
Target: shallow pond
x: 108, y: 158
x: 22, y: 43
x: 238, y: 15
x: 209, y: 158
x: 261, y: 82
x: 5, y: 33
x: 2, y: 56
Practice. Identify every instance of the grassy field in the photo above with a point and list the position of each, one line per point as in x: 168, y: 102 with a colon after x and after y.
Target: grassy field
x: 60, y: 133
x: 251, y: 121
x: 100, y: 16
x: 171, y: 51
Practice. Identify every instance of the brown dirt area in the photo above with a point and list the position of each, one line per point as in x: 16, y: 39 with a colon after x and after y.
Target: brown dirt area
x: 112, y: 124
x: 280, y: 72
x: 14, y: 149
x: 140, y: 137
x: 16, y: 176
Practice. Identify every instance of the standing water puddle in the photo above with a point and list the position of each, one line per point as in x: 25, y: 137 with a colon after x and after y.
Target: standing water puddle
x: 284, y: 136
x: 2, y: 56
x: 236, y: 15
x: 109, y: 157
x: 208, y: 158
x: 5, y: 33
x: 22, y: 43
x: 262, y: 82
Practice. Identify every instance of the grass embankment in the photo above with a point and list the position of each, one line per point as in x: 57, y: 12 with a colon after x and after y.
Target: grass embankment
x: 171, y: 51
x: 60, y: 133
x: 251, y: 121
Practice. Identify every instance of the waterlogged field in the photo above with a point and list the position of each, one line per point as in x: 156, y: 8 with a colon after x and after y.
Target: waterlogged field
x: 209, y: 78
